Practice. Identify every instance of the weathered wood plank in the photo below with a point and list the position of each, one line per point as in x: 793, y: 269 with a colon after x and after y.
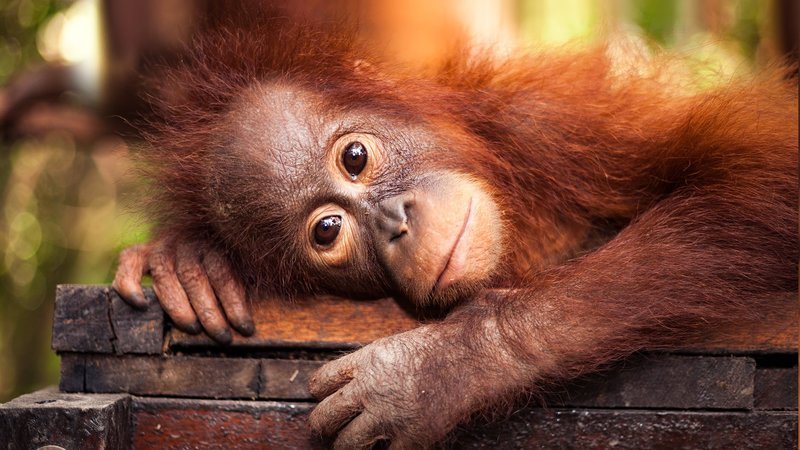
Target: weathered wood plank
x: 665, y: 381
x: 71, y: 421
x: 341, y: 323
x: 286, y: 379
x: 323, y: 322
x: 137, y: 331
x: 81, y: 321
x: 94, y: 319
x: 184, y: 423
x: 661, y: 381
x: 776, y: 388
x: 186, y: 376
x: 635, y: 429
x: 84, y: 322
x: 173, y: 423
x: 73, y: 372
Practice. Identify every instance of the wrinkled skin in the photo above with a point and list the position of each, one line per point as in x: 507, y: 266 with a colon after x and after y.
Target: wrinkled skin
x: 197, y: 288
x: 363, y: 406
x: 392, y: 389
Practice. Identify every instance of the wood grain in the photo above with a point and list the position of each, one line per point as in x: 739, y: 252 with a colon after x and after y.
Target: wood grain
x: 137, y: 332
x: 648, y: 381
x: 185, y: 423
x: 666, y: 382
x: 80, y: 320
x: 70, y: 421
x: 335, y: 323
x: 634, y: 429
x: 325, y: 323
x: 94, y: 319
x: 185, y: 376
x: 120, y: 421
x: 776, y: 388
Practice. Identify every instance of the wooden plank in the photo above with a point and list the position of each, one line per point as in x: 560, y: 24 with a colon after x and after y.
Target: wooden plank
x: 81, y: 321
x: 325, y: 322
x: 174, y: 423
x: 137, y: 331
x: 73, y: 372
x: 654, y: 381
x: 287, y: 379
x: 94, y: 319
x: 776, y: 388
x: 666, y: 381
x: 84, y: 322
x: 185, y: 423
x: 69, y: 421
x: 186, y: 376
x: 341, y: 324
x: 635, y: 429
x: 662, y: 381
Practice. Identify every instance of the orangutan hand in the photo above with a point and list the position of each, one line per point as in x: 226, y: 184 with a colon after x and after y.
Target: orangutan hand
x: 191, y: 282
x: 410, y: 389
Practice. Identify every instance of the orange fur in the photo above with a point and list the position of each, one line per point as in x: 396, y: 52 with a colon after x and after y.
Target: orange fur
x: 639, y: 213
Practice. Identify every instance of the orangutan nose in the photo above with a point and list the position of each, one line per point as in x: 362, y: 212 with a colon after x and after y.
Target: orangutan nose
x: 393, y: 216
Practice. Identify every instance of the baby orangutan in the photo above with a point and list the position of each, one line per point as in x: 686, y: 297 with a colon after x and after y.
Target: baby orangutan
x: 614, y: 213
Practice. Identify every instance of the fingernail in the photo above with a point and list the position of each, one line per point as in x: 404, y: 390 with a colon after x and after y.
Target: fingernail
x: 247, y: 329
x: 224, y: 337
x: 194, y: 328
x: 139, y: 301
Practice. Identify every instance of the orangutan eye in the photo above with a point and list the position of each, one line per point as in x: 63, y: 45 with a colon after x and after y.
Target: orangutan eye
x: 354, y: 158
x: 327, y: 229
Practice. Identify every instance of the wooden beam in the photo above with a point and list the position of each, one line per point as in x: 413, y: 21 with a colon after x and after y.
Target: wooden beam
x: 168, y: 423
x: 339, y: 323
x: 651, y: 381
x: 121, y: 421
x: 325, y: 323
x: 776, y: 388
x: 181, y: 376
x: 93, y: 319
x: 50, y: 418
x: 666, y: 382
x: 80, y: 320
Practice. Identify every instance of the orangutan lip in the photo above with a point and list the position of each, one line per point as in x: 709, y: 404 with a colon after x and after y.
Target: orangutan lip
x: 440, y: 282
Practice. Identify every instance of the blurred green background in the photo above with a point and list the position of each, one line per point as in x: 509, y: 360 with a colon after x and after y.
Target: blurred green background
x: 68, y: 201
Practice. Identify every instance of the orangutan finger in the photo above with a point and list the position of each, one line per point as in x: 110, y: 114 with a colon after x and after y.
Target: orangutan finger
x: 361, y: 433
x: 335, y: 411
x: 332, y: 376
x: 201, y: 296
x: 128, y: 279
x: 169, y: 291
x: 230, y: 293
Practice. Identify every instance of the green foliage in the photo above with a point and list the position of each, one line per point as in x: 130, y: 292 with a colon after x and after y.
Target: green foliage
x: 746, y: 29
x: 20, y: 20
x: 61, y: 218
x: 657, y: 18
x: 61, y: 222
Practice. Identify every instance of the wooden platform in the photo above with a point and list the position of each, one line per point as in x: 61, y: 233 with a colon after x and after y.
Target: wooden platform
x: 129, y: 380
